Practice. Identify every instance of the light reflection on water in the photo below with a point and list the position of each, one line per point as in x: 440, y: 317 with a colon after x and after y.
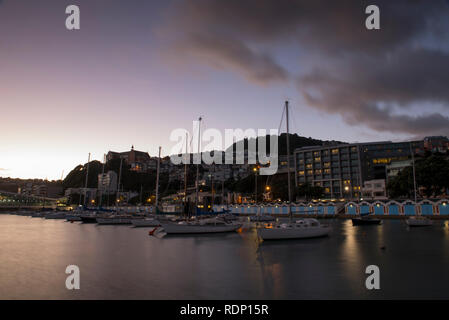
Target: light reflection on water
x: 119, y: 262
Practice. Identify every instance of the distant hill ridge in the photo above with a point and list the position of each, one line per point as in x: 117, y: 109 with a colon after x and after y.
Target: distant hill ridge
x: 296, y: 141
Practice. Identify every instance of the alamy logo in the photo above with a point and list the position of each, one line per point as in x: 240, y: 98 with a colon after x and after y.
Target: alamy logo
x: 72, y: 22
x: 372, y: 22
x: 256, y: 153
x: 373, y: 280
x: 73, y: 280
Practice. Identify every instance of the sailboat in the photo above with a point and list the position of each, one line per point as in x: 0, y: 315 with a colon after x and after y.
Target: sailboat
x: 199, y: 226
x: 365, y: 219
x: 261, y: 217
x: 211, y: 225
x: 151, y: 221
x: 419, y: 221
x: 300, y: 229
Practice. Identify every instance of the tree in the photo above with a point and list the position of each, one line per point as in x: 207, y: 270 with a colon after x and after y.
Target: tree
x: 432, y: 176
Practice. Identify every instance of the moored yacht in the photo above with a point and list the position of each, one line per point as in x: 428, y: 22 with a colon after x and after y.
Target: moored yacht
x: 419, y: 221
x: 228, y: 217
x: 300, y: 229
x: 261, y: 218
x: 115, y: 219
x: 40, y: 214
x: 365, y: 220
x: 212, y: 225
x: 145, y: 222
x: 73, y: 217
x: 89, y: 218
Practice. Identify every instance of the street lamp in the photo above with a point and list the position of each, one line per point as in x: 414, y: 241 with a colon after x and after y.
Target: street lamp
x: 255, y: 189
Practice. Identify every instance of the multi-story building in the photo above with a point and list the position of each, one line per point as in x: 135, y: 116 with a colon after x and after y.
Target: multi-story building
x: 138, y: 160
x: 26, y: 189
x: 39, y: 190
x: 436, y: 144
x: 335, y: 168
x: 283, y: 164
x: 342, y: 169
x: 395, y: 167
x: 89, y: 193
x: 374, y: 189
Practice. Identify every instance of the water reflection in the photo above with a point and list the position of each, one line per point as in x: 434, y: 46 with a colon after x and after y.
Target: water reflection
x: 118, y: 262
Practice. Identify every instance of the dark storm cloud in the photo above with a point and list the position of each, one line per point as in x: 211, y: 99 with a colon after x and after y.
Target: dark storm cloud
x: 232, y: 53
x: 367, y: 91
x: 368, y: 77
x: 337, y: 25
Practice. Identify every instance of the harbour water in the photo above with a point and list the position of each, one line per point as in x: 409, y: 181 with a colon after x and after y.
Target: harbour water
x: 121, y: 262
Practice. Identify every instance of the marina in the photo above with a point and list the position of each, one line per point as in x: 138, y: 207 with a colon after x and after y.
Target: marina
x: 122, y: 262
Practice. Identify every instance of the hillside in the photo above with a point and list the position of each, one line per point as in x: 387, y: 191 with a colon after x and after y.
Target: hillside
x: 136, y: 181
x: 295, y: 142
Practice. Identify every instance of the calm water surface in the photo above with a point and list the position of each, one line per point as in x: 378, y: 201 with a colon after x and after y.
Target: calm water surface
x: 121, y: 262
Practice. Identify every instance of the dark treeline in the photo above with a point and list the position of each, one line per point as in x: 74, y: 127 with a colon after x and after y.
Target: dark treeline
x: 432, y: 178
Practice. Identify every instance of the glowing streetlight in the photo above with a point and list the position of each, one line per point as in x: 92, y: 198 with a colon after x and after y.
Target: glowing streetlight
x: 255, y: 191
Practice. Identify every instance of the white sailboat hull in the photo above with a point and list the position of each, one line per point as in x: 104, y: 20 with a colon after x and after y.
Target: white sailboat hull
x: 198, y: 229
x: 293, y: 233
x: 261, y: 218
x: 110, y: 221
x: 419, y: 222
x: 145, y: 223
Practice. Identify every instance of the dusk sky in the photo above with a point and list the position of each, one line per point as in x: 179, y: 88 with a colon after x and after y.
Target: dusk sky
x: 136, y: 70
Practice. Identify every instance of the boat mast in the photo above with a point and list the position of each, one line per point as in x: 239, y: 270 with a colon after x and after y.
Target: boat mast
x: 87, y: 177
x: 414, y: 173
x: 197, y: 165
x: 157, y: 179
x: 288, y: 164
x: 118, y: 184
x: 102, y: 177
x: 222, y: 186
x: 213, y: 190
x: 185, y: 175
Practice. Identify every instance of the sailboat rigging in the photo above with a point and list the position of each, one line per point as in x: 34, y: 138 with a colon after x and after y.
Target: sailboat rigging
x: 303, y: 228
